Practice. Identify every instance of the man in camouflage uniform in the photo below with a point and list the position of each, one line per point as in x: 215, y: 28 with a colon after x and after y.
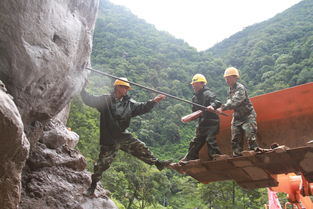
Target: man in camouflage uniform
x: 244, y: 117
x: 116, y: 111
x: 208, y: 124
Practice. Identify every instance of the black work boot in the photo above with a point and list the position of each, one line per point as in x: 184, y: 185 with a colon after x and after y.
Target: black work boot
x: 161, y: 164
x: 237, y: 154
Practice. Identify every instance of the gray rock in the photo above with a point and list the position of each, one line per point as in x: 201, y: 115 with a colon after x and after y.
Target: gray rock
x: 59, y: 187
x: 59, y: 136
x: 2, y: 86
x: 41, y: 156
x: 87, y: 203
x: 14, y: 148
x: 45, y: 46
x: 63, y: 115
x: 56, y: 178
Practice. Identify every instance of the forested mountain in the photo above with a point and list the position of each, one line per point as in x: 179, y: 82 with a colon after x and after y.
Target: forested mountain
x: 133, y: 48
x: 271, y: 55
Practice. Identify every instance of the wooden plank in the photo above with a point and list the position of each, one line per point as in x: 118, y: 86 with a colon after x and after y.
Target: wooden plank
x: 252, y: 171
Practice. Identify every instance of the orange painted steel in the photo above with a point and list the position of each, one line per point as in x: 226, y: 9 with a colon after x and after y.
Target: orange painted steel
x: 284, y: 116
x: 297, y: 188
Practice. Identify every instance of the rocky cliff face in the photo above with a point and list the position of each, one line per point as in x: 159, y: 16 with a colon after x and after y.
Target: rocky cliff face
x: 14, y: 148
x: 45, y: 45
x: 44, y: 48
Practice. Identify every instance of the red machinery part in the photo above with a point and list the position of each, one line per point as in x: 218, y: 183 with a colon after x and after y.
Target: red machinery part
x: 297, y: 188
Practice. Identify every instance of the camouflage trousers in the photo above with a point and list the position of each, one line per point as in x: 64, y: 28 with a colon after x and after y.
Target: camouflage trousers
x: 130, y: 145
x: 197, y: 143
x: 248, y: 130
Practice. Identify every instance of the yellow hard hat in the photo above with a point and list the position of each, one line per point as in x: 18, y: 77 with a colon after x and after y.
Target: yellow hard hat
x: 119, y: 82
x: 198, y: 78
x: 231, y: 71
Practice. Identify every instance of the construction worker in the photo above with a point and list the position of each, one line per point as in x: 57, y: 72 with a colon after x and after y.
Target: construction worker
x: 208, y: 123
x: 244, y: 117
x: 116, y: 111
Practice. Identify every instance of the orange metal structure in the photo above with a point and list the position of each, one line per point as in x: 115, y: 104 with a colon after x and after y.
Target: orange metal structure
x: 298, y: 190
x: 284, y: 117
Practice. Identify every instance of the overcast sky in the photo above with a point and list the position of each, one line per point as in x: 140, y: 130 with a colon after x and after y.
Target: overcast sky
x: 203, y: 23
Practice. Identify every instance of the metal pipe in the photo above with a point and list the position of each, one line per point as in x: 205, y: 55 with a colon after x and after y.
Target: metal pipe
x: 153, y: 90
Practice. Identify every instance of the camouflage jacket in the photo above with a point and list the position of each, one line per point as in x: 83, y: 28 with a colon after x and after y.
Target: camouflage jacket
x: 239, y: 102
x: 115, y: 115
x: 205, y: 98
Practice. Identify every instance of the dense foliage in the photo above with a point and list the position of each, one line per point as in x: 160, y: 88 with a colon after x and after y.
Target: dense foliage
x: 274, y: 54
x: 271, y: 55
